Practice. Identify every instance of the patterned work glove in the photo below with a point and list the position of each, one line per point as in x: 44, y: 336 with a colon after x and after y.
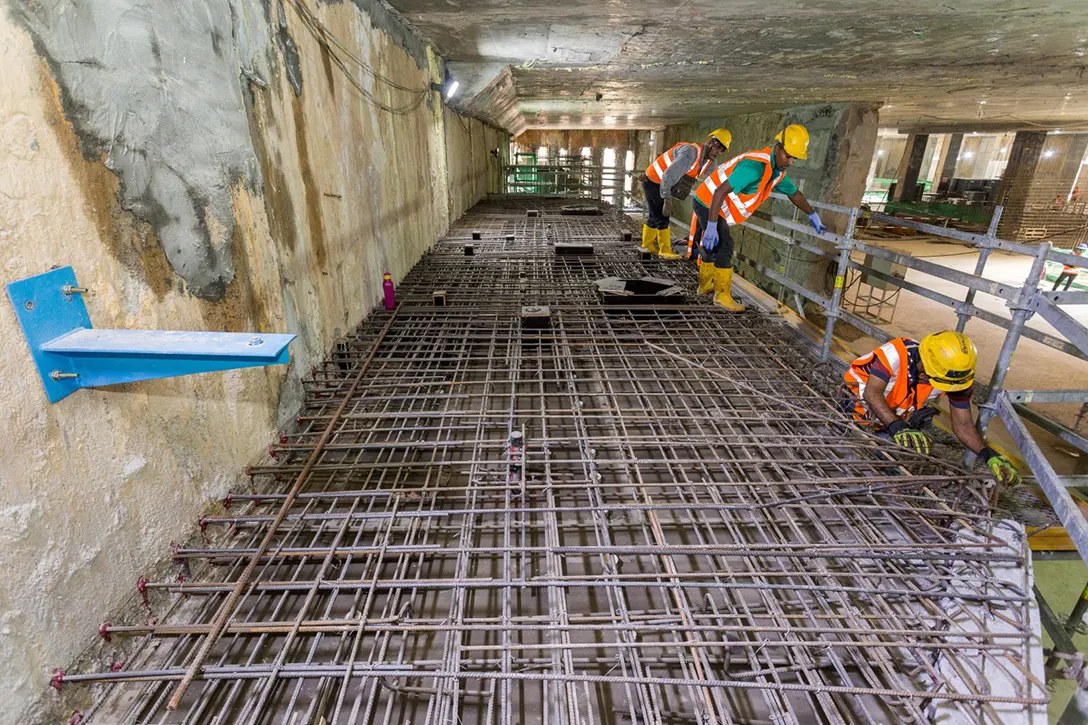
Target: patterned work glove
x: 1001, y: 467
x: 915, y: 440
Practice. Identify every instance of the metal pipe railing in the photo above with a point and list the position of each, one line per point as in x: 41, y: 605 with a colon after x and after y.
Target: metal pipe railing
x: 1023, y: 301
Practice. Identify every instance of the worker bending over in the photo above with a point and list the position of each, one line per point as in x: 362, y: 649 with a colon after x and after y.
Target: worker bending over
x: 890, y: 387
x: 671, y: 176
x: 730, y: 194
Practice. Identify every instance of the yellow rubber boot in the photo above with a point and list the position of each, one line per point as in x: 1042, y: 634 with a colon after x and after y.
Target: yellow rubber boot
x: 649, y: 239
x: 723, y: 283
x: 664, y: 244
x: 706, y: 277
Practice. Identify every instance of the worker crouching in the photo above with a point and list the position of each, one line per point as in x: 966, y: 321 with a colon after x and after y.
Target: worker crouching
x: 672, y: 176
x: 889, y: 389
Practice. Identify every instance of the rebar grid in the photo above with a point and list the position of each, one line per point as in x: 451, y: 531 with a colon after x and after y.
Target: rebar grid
x: 643, y: 515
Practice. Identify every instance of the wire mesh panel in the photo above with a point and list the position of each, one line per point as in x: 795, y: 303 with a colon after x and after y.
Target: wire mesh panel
x: 582, y: 513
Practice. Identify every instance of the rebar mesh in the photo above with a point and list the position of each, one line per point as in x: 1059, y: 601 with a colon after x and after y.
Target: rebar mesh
x: 637, y: 514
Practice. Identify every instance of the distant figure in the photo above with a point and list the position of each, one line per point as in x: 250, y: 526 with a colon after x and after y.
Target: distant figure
x: 1069, y: 271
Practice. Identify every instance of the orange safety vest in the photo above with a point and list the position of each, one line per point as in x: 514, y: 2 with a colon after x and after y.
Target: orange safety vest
x: 737, y: 207
x: 1070, y: 268
x: 656, y: 171
x: 904, y: 393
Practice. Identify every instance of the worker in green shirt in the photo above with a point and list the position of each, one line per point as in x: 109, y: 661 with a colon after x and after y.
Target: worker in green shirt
x: 730, y: 194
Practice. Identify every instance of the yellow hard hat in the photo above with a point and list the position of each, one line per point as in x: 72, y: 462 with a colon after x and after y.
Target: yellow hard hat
x: 794, y: 138
x: 723, y: 136
x: 949, y: 359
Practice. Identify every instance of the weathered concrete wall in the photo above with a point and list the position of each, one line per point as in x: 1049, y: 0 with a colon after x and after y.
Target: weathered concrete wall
x: 476, y: 153
x: 203, y: 165
x: 840, y: 152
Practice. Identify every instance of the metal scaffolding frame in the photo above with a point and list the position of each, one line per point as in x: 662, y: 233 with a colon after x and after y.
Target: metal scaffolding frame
x: 587, y: 513
x: 1023, y: 302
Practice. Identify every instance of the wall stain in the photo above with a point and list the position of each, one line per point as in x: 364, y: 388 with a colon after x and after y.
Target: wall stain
x: 279, y: 207
x: 129, y: 240
x: 326, y: 62
x: 313, y: 198
x: 242, y: 309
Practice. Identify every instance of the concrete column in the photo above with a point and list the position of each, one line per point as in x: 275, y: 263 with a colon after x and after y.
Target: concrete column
x: 910, y: 166
x: 1071, y: 156
x: 1014, y: 190
x: 949, y: 157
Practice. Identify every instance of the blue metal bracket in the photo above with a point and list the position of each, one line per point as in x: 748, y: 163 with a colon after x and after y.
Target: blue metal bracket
x: 70, y: 354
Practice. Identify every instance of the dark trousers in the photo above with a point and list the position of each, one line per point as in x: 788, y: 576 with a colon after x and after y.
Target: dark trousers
x: 722, y: 256
x: 655, y: 205
x: 1066, y: 277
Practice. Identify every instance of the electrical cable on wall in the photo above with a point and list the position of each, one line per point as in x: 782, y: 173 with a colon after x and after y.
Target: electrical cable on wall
x: 336, y: 47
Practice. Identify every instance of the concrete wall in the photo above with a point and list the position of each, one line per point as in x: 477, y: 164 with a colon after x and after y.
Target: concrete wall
x: 475, y: 156
x: 203, y: 165
x: 843, y: 137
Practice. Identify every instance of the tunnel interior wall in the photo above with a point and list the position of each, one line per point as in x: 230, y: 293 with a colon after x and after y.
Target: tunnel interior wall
x: 203, y: 165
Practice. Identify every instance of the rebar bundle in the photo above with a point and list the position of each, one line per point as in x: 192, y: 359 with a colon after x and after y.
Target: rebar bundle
x: 583, y: 513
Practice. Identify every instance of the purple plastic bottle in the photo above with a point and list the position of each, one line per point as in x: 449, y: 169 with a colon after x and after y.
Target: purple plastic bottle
x: 387, y: 289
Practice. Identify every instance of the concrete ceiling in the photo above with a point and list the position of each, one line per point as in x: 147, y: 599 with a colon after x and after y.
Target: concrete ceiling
x: 950, y: 63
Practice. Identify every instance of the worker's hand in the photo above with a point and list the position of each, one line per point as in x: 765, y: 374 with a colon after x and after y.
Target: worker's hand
x: 907, y: 437
x: 818, y: 225
x: 1002, y: 468
x: 666, y: 208
x: 919, y: 419
x: 710, y: 236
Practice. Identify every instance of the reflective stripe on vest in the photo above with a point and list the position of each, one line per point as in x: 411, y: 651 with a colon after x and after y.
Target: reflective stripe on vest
x: 737, y: 207
x: 904, y: 393
x: 656, y: 171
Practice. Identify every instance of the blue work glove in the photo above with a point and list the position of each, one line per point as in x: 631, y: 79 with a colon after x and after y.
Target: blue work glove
x: 710, y: 237
x: 818, y: 225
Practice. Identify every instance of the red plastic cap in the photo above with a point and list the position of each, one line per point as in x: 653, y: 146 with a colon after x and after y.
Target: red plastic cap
x: 104, y: 631
x: 76, y: 719
x: 57, y: 680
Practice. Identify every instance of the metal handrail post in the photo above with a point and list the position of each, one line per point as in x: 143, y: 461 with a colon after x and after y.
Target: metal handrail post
x: 980, y: 265
x: 845, y: 248
x: 1021, y: 312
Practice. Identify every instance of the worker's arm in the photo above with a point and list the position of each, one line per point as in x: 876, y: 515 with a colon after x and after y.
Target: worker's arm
x: 801, y: 203
x: 716, y: 202
x: 964, y: 428
x: 682, y: 161
x: 876, y: 402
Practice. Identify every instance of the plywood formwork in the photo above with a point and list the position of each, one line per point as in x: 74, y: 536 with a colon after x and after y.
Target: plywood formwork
x: 602, y: 514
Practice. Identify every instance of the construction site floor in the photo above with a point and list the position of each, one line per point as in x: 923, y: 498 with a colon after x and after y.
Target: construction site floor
x: 527, y: 496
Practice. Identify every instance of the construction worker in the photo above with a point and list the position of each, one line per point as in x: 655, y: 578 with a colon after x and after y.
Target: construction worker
x: 890, y: 387
x: 671, y: 176
x: 730, y: 194
x: 1069, y: 271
